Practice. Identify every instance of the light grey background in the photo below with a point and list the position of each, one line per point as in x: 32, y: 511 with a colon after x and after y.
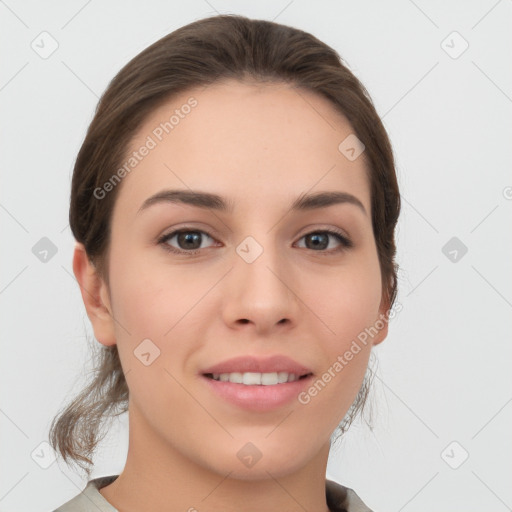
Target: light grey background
x: 444, y: 370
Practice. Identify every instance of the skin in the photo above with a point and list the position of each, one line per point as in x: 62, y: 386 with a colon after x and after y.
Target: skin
x: 260, y: 146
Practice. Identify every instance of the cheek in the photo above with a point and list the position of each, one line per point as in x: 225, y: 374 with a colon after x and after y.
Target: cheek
x: 347, y: 311
x: 153, y: 303
x: 346, y: 302
x: 151, y: 315
x: 151, y: 299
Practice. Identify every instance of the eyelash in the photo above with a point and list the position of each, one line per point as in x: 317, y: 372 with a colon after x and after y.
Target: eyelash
x: 344, y: 241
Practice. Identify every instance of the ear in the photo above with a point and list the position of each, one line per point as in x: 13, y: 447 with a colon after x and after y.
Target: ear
x: 382, y: 320
x: 95, y: 296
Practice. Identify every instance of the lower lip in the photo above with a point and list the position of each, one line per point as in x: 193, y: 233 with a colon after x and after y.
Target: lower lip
x: 258, y: 397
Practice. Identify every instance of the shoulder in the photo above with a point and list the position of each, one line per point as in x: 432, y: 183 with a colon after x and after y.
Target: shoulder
x: 342, y: 499
x: 90, y: 499
x: 339, y: 498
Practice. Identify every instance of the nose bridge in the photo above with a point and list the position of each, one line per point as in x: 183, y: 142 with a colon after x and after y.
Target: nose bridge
x: 259, y: 260
x: 258, y: 282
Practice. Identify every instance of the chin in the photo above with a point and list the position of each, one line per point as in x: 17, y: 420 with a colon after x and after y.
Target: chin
x: 261, y: 466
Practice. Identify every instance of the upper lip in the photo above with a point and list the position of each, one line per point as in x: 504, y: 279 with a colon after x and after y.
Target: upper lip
x: 242, y: 364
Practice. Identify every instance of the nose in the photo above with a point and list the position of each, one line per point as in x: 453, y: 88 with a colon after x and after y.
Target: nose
x: 259, y: 292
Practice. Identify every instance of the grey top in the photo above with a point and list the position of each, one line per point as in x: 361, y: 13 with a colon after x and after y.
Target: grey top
x: 338, y: 497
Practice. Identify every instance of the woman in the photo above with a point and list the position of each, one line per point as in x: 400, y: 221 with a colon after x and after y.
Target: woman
x: 234, y: 205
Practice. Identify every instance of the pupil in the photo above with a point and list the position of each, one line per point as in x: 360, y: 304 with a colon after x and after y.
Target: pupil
x: 189, y: 238
x: 315, y: 238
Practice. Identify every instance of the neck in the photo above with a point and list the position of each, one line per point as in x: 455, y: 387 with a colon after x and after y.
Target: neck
x: 158, y: 476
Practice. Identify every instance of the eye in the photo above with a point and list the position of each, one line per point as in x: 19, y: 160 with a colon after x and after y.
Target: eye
x: 319, y: 240
x: 190, y: 241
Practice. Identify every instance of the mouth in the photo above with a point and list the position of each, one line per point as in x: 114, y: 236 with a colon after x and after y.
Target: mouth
x: 256, y: 392
x: 257, y: 378
x: 256, y: 383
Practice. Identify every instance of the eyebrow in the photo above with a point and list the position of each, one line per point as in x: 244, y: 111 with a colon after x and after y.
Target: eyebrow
x: 208, y: 200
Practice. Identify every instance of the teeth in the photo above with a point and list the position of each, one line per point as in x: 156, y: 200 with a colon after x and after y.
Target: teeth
x: 235, y: 377
x: 251, y: 378
x: 254, y: 378
x: 282, y: 377
x: 268, y: 379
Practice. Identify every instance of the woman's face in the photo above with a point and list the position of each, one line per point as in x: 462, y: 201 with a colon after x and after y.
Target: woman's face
x: 256, y: 279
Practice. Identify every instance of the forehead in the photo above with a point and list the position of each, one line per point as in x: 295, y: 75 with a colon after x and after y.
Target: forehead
x: 271, y: 141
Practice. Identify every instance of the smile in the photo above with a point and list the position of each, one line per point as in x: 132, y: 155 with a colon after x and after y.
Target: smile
x: 257, y: 392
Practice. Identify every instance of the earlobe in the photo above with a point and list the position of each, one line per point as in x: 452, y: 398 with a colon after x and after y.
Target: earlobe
x: 95, y: 296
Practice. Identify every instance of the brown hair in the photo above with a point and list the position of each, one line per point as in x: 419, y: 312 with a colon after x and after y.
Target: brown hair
x: 201, y: 53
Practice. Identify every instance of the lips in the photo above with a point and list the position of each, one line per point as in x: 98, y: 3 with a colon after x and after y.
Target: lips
x: 235, y: 381
x: 277, y: 363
